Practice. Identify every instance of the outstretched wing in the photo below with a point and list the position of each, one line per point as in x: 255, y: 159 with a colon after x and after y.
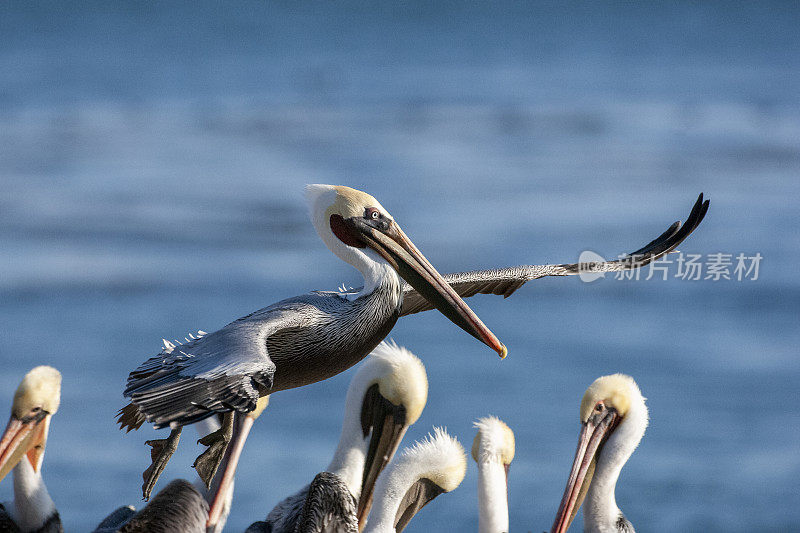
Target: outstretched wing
x: 507, y: 280
x: 215, y: 373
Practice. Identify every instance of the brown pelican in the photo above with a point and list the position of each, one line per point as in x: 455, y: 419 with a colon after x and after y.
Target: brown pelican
x: 297, y: 341
x: 309, y: 338
x: 431, y: 467
x: 180, y: 506
x: 385, y: 397
x: 613, y: 420
x: 493, y: 451
x: 22, y: 449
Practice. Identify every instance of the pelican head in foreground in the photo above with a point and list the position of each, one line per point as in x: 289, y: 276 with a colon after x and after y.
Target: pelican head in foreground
x: 493, y: 451
x: 431, y: 467
x: 613, y: 420
x: 385, y: 397
x: 22, y: 449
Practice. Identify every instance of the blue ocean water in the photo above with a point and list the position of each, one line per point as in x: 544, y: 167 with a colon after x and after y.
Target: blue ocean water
x: 152, y: 159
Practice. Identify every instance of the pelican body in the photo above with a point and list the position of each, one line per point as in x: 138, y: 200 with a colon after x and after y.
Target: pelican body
x: 385, y: 397
x: 613, y: 419
x: 22, y: 449
x: 493, y: 450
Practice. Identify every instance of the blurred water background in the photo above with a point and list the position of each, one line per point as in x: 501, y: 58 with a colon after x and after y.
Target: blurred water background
x: 152, y: 159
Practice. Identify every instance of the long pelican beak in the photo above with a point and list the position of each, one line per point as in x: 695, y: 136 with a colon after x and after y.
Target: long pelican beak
x: 394, y: 246
x: 594, y: 433
x: 24, y: 436
x: 388, y: 422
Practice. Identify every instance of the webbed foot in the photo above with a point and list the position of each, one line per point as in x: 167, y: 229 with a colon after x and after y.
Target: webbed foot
x: 208, y: 462
x: 160, y: 455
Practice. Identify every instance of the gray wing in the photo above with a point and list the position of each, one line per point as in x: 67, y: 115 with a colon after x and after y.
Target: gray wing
x: 177, y: 507
x: 217, y: 372
x: 329, y: 507
x: 507, y: 280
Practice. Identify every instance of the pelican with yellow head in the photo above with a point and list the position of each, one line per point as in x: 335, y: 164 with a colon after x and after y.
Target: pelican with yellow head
x: 613, y: 419
x: 22, y: 450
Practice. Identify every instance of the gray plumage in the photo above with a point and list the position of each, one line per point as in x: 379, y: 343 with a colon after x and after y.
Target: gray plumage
x: 623, y: 525
x: 285, y: 516
x: 292, y: 343
x: 505, y: 281
x: 324, y: 506
x: 51, y: 525
x: 178, y: 507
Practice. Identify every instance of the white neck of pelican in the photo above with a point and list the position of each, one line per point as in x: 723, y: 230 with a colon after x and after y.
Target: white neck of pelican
x: 32, y: 503
x: 351, y: 452
x: 600, y: 509
x: 492, y: 497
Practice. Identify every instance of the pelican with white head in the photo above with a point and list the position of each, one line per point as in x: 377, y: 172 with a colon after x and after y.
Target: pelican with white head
x: 613, y: 419
x: 493, y: 451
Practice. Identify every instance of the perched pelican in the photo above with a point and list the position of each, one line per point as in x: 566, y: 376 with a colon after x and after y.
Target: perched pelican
x: 385, y: 397
x: 613, y: 419
x: 300, y: 340
x: 22, y: 449
x: 431, y: 467
x: 493, y: 451
x: 180, y: 506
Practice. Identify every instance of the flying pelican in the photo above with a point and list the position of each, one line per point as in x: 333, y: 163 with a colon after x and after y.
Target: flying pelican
x: 431, y: 467
x: 180, y: 506
x: 613, y: 420
x: 385, y: 397
x: 300, y: 340
x: 493, y: 451
x: 309, y: 338
x: 22, y: 449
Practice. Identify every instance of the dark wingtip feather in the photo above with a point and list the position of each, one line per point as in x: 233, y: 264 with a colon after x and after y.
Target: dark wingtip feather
x: 130, y: 417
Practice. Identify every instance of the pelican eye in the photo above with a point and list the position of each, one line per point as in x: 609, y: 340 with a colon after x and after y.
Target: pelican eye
x: 599, y: 407
x: 373, y: 213
x: 36, y: 409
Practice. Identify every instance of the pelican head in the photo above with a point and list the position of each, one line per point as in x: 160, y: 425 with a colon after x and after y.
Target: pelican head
x: 493, y: 451
x: 494, y: 442
x: 392, y: 388
x: 613, y: 420
x: 36, y: 400
x: 360, y: 231
x: 431, y: 467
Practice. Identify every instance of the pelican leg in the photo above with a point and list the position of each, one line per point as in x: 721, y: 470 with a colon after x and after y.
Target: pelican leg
x: 208, y: 462
x: 160, y: 455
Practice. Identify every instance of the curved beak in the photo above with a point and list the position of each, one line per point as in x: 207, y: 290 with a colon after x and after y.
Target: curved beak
x: 418, y: 496
x: 394, y: 246
x: 593, y: 434
x: 388, y: 423
x: 23, y: 436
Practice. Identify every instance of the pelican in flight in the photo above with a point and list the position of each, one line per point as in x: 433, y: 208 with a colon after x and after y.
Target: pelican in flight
x: 493, y: 451
x: 22, y: 449
x: 613, y: 420
x: 297, y: 341
x: 431, y: 467
x: 385, y: 397
x: 309, y: 338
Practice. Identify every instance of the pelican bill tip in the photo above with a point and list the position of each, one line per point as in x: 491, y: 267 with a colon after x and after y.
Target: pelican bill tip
x: 503, y: 351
